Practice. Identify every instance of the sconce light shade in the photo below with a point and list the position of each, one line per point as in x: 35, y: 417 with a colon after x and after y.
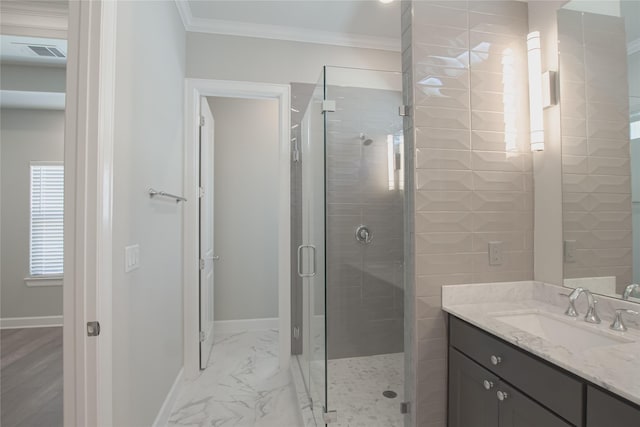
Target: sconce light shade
x: 535, y: 91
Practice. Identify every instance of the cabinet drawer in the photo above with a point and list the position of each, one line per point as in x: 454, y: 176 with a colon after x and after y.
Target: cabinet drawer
x: 604, y: 410
x: 555, y: 389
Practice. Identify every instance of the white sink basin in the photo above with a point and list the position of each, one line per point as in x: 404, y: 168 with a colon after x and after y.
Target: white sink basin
x: 567, y: 333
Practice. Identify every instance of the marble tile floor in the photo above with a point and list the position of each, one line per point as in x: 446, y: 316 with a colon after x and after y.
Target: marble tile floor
x: 355, y: 390
x: 242, y: 386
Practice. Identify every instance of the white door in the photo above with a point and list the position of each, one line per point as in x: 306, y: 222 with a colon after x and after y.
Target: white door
x: 207, y: 255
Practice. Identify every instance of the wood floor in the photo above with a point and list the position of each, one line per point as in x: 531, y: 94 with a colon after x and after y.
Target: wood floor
x: 31, y: 377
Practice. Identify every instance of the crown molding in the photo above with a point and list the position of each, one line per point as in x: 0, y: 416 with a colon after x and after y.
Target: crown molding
x: 633, y: 46
x: 34, y: 19
x: 278, y: 32
x: 185, y: 12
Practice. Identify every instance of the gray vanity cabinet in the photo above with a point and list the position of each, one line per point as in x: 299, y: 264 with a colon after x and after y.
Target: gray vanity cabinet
x: 495, y: 384
x: 473, y: 399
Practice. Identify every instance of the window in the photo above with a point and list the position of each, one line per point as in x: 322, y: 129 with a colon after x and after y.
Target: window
x: 47, y: 203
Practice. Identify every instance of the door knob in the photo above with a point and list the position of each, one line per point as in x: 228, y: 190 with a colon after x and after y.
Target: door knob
x: 496, y: 360
x: 488, y: 385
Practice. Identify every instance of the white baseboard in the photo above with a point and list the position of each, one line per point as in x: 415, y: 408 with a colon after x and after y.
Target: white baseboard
x: 162, y: 419
x: 30, y: 322
x: 231, y: 326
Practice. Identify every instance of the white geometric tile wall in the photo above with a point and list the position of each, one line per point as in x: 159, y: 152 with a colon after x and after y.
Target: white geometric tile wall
x: 595, y: 145
x: 465, y: 78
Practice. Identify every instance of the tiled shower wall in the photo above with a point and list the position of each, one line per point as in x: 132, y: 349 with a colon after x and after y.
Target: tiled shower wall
x: 365, y: 295
x: 595, y: 143
x: 465, y: 79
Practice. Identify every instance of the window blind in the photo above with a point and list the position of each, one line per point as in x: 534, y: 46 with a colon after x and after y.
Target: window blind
x: 47, y: 214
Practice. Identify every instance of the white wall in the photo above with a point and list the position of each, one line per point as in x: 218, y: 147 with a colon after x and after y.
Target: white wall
x: 547, y: 165
x: 213, y: 56
x: 246, y: 208
x: 147, y: 302
x: 25, y: 135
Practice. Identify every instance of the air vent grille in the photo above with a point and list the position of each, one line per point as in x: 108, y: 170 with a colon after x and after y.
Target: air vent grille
x: 51, y: 52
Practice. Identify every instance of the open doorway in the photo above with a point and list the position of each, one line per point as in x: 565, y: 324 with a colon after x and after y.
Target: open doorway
x: 32, y: 132
x: 239, y: 217
x: 249, y: 211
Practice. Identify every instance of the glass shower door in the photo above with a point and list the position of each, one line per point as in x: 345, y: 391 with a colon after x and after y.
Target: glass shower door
x: 311, y: 254
x: 364, y: 166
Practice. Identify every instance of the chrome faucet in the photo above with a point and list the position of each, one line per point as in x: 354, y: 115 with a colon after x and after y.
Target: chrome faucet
x: 630, y: 289
x: 592, y: 314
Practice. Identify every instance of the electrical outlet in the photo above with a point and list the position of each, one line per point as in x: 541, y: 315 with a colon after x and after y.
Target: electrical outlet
x: 495, y: 253
x: 569, y: 251
x: 131, y: 258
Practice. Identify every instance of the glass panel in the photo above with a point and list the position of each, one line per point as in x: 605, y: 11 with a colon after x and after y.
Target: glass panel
x: 312, y: 252
x: 364, y: 226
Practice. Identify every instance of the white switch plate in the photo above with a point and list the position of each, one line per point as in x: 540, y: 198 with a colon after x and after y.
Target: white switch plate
x: 569, y: 251
x: 495, y: 253
x: 131, y: 258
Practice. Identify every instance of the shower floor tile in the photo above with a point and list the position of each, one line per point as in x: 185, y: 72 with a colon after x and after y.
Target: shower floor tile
x: 243, y: 386
x: 356, y: 385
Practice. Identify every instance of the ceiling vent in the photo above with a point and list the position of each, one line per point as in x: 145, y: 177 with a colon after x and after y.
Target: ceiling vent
x: 51, y: 52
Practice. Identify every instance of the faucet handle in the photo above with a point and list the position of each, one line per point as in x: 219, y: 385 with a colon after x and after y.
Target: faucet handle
x: 571, y: 310
x: 618, y: 323
x: 592, y: 313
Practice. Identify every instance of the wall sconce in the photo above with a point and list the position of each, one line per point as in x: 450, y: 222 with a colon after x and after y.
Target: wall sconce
x: 535, y: 91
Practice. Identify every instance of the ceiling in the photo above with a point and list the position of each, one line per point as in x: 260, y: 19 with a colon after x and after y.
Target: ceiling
x: 364, y: 23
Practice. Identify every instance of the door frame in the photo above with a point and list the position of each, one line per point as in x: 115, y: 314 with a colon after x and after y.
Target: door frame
x: 88, y: 207
x: 194, y: 90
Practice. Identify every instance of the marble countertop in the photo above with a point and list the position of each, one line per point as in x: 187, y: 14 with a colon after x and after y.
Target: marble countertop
x: 615, y: 368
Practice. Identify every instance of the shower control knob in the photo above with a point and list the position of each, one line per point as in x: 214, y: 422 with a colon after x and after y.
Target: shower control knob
x: 488, y: 385
x: 502, y: 395
x: 364, y: 234
x: 496, y: 360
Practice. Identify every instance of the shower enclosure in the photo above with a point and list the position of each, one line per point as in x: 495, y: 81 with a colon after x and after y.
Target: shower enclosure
x: 348, y: 296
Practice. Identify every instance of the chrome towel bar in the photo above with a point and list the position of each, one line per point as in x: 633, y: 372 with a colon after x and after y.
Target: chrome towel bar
x: 154, y: 193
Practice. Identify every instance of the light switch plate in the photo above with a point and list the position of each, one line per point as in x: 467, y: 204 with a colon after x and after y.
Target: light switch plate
x: 495, y: 253
x: 569, y: 251
x: 131, y: 258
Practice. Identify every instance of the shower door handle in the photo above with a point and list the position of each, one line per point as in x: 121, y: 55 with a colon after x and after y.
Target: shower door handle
x: 313, y: 272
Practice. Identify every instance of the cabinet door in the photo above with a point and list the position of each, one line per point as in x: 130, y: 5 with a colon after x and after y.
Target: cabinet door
x: 604, y: 410
x: 470, y: 403
x: 518, y: 410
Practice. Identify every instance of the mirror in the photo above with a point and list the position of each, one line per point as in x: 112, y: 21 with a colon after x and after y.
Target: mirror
x: 599, y: 73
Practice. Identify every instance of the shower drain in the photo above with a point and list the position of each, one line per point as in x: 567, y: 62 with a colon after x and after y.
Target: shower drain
x: 390, y: 394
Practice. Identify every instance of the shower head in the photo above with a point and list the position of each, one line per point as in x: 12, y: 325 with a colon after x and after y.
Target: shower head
x: 365, y: 140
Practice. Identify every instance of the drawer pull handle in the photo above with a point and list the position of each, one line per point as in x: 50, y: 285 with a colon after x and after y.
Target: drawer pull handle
x: 502, y: 395
x: 496, y: 360
x: 488, y: 385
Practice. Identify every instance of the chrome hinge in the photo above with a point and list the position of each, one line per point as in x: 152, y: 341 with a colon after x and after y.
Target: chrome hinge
x: 93, y: 329
x: 296, y: 332
x: 201, y: 264
x: 200, y: 192
x: 403, y: 110
x: 202, y: 336
x: 405, y: 407
x: 201, y: 120
x: 329, y: 416
x: 328, y: 105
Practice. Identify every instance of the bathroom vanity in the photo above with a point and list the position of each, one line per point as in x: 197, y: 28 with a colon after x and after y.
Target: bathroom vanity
x: 514, y: 362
